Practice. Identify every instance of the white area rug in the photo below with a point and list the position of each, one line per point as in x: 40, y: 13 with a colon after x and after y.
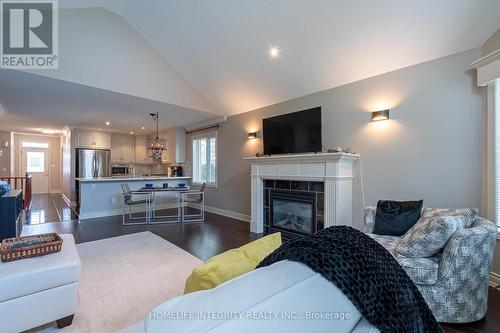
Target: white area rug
x: 125, y: 277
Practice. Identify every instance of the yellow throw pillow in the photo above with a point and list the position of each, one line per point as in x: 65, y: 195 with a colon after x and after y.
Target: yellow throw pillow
x: 231, y: 264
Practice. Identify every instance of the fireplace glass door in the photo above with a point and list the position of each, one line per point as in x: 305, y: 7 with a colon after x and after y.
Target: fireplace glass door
x: 293, y: 212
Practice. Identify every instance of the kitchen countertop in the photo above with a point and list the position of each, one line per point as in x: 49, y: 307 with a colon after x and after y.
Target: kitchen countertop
x: 129, y: 178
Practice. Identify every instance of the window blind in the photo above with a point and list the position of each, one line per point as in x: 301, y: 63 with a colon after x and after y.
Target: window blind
x: 205, y: 158
x: 496, y: 105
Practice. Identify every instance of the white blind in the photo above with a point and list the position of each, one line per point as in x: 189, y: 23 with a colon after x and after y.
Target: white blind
x: 496, y: 104
x: 205, y: 158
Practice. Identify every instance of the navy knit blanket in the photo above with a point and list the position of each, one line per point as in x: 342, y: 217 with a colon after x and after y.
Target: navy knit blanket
x: 367, y: 274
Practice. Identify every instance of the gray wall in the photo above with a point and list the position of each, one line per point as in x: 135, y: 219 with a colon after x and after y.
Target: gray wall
x: 430, y: 149
x: 496, y: 260
x: 5, y: 159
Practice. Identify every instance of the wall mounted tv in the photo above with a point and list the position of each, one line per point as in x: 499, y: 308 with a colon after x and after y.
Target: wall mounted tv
x: 297, y: 132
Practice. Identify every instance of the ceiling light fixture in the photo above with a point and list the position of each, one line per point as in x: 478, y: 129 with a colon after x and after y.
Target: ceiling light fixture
x: 157, y: 145
x: 143, y: 128
x: 108, y: 123
x: 274, y: 51
x: 132, y: 133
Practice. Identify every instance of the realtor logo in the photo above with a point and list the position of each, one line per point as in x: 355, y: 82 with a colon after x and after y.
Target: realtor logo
x: 29, y: 35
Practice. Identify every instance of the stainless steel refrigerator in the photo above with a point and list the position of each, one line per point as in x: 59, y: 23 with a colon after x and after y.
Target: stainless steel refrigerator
x: 92, y: 163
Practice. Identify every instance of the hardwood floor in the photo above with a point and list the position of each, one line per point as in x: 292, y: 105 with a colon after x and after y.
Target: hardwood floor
x: 48, y: 208
x: 203, y: 240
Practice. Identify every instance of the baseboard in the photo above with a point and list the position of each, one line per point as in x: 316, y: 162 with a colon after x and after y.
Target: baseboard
x: 494, y: 279
x: 224, y: 212
x: 119, y: 211
x: 55, y: 191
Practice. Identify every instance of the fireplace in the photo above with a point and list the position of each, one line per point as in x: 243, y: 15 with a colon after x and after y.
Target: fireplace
x: 293, y: 212
x: 328, y: 175
x: 294, y: 208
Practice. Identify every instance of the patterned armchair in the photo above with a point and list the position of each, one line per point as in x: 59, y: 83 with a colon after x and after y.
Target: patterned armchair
x: 454, y: 282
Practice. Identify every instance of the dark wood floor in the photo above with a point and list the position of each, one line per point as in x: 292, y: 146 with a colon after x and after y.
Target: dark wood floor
x: 203, y: 240
x: 47, y: 208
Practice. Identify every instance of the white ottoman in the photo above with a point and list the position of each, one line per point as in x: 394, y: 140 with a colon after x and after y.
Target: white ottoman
x: 40, y: 290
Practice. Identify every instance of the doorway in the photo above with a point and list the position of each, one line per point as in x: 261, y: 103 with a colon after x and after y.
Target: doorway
x: 40, y: 156
x: 36, y: 163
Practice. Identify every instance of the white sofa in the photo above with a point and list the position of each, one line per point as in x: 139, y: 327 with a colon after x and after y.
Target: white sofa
x: 283, y: 289
x: 40, y: 290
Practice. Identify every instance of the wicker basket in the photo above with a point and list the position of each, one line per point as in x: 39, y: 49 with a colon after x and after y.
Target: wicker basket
x: 30, y: 246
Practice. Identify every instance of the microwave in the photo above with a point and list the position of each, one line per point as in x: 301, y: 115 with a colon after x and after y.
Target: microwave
x: 119, y: 170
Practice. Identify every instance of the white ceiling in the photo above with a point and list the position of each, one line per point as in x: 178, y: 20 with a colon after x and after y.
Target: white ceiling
x: 35, y: 102
x: 220, y: 48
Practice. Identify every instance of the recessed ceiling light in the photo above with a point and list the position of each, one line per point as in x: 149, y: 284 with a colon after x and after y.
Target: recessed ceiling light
x: 143, y: 127
x: 274, y: 51
x: 132, y: 133
x: 107, y: 123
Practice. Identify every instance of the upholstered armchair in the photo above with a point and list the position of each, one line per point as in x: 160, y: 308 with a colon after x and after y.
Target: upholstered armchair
x: 454, y: 282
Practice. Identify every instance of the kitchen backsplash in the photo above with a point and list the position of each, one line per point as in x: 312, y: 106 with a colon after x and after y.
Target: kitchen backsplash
x: 158, y: 169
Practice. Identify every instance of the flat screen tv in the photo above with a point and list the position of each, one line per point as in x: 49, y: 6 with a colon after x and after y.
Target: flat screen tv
x: 297, y: 132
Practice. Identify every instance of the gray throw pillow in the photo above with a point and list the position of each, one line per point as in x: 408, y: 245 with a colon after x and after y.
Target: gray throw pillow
x: 429, y: 236
x: 470, y: 214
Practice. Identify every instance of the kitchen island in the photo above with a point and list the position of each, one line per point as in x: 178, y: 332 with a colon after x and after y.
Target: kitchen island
x: 100, y: 197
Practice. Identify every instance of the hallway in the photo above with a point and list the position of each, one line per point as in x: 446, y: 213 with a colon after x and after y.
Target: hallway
x: 47, y: 208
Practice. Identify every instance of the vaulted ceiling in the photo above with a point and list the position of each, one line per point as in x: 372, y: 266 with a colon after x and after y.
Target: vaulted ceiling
x: 211, y: 56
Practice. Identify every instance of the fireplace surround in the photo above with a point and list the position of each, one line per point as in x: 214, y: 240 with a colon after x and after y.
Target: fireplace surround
x: 333, y: 170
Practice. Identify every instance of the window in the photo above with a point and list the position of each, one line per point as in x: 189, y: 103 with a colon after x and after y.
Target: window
x: 35, y: 161
x: 27, y: 144
x: 205, y: 158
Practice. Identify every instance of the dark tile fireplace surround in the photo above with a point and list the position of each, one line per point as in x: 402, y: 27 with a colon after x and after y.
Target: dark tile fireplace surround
x: 297, y: 207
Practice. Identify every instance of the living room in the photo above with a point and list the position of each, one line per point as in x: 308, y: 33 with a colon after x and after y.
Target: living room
x: 340, y: 158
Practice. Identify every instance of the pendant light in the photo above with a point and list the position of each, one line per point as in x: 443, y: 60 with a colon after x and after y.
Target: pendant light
x: 156, y: 145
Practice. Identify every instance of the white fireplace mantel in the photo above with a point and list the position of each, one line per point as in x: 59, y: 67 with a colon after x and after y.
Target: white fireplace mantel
x: 334, y: 169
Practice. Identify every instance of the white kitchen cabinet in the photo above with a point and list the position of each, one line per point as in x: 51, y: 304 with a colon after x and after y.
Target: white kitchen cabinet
x: 122, y: 148
x: 180, y: 145
x: 102, y: 139
x: 141, y: 149
x: 90, y: 139
x: 176, y: 145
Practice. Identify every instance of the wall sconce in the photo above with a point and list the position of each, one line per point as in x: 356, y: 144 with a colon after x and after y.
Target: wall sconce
x: 252, y: 135
x: 380, y: 115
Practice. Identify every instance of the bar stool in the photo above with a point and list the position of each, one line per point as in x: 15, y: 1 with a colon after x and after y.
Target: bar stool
x: 197, y: 198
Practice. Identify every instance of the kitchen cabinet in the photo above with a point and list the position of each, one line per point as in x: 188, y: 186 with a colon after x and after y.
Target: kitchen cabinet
x: 90, y: 139
x: 141, y: 149
x: 102, y: 139
x: 122, y: 148
x: 176, y: 145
